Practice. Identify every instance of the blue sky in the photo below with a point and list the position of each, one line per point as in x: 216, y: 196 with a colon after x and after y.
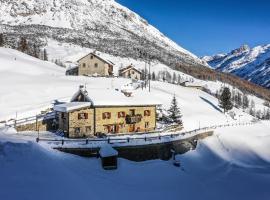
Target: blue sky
x: 207, y: 27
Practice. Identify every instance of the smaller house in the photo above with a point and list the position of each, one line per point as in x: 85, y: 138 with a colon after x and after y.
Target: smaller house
x: 130, y: 72
x: 108, y: 156
x: 191, y: 85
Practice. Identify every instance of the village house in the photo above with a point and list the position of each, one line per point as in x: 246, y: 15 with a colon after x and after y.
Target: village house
x: 87, y: 116
x: 192, y: 85
x: 130, y: 72
x: 92, y: 65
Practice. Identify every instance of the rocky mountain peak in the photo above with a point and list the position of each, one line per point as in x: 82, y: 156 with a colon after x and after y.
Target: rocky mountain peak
x: 242, y: 49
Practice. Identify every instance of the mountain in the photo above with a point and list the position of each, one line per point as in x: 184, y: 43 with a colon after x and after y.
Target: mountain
x: 252, y: 64
x: 104, y: 25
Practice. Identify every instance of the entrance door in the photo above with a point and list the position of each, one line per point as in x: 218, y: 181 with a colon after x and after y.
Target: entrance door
x: 131, y: 128
x: 116, y: 128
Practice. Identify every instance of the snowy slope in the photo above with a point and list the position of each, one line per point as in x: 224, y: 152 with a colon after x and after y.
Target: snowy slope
x: 233, y: 164
x: 29, y: 85
x: 100, y: 24
x: 251, y: 64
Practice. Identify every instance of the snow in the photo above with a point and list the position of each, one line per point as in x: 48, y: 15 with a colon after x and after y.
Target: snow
x: 35, y: 84
x: 251, y: 64
x: 106, y: 150
x: 67, y: 107
x: 234, y: 159
x: 83, y: 15
x: 233, y: 164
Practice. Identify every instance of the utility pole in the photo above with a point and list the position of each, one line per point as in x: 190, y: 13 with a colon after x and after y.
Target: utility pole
x: 149, y: 75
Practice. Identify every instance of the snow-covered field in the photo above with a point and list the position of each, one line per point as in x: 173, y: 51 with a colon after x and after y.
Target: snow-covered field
x: 232, y: 164
x: 29, y: 85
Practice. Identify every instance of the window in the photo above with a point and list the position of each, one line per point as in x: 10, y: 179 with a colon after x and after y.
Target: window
x: 88, y: 129
x: 147, y: 113
x: 83, y: 64
x: 77, y: 130
x: 132, y: 112
x: 132, y: 72
x: 91, y: 57
x: 83, y: 116
x: 63, y: 116
x: 106, y: 115
x: 146, y: 125
x: 121, y: 114
x: 108, y: 128
x: 96, y: 65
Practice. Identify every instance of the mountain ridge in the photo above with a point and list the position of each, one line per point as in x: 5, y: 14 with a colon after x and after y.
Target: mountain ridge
x: 104, y: 25
x: 252, y: 64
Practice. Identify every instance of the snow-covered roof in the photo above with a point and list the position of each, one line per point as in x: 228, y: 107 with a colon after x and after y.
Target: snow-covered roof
x: 107, y: 151
x: 97, y: 56
x: 129, y: 68
x: 67, y: 107
x: 112, y: 97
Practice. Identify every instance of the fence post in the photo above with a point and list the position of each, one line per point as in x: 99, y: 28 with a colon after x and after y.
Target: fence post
x: 62, y: 142
x: 86, y: 141
x: 108, y: 140
x: 128, y: 139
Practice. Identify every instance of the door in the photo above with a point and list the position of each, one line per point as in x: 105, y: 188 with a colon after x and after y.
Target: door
x: 116, y: 128
x: 131, y: 128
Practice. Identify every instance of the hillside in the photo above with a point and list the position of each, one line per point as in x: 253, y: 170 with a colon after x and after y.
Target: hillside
x: 102, y: 25
x: 252, y: 64
x: 31, y: 85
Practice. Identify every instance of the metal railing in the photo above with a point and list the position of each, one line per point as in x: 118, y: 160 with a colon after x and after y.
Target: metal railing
x: 128, y: 139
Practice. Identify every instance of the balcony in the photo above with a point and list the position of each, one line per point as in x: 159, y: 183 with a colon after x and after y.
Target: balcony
x: 133, y: 119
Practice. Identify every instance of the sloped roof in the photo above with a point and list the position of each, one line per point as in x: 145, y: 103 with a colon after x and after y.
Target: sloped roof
x: 129, y: 68
x: 67, y: 107
x: 103, y: 59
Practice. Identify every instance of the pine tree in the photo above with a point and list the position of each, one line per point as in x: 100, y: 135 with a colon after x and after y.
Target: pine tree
x: 45, y: 55
x: 1, y: 39
x: 225, y: 100
x: 153, y: 76
x: 174, y: 112
x: 179, y: 79
x: 35, y: 51
x: 174, y: 78
x: 252, y: 108
x: 245, y: 101
x: 23, y: 45
x: 267, y: 115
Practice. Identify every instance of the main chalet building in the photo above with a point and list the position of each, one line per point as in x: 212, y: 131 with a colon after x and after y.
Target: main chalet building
x: 106, y: 111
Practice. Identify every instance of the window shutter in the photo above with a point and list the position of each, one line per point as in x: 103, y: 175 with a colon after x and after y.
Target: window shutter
x: 86, y: 115
x: 103, y: 115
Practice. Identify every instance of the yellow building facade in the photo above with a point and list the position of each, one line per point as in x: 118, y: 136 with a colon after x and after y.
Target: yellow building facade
x: 82, y: 118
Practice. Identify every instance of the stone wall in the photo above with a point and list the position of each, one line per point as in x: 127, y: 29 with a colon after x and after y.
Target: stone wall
x: 146, y: 152
x: 86, y: 125
x: 89, y: 69
x: 44, y: 125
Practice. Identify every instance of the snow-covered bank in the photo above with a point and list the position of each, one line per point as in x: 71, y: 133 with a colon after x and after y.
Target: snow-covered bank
x: 234, y: 164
